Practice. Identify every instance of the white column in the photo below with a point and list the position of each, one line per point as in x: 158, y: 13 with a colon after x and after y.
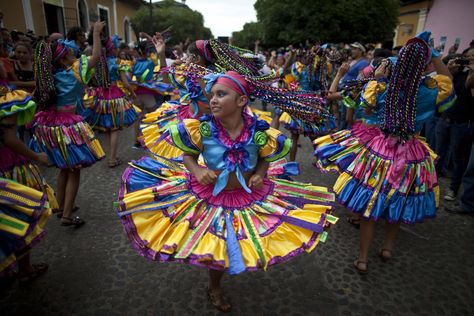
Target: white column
x: 115, y: 16
x: 28, y: 15
x: 421, y: 20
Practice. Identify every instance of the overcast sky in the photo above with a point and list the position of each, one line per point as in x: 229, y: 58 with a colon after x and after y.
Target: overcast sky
x: 224, y: 16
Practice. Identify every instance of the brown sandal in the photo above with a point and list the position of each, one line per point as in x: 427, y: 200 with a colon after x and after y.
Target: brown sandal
x: 385, y: 258
x: 354, y: 221
x: 38, y: 270
x: 361, y: 271
x: 114, y: 163
x: 76, y: 221
x: 218, y: 300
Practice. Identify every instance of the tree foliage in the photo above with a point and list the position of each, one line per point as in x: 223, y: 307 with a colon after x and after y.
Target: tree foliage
x: 186, y: 23
x: 290, y: 22
x: 246, y: 38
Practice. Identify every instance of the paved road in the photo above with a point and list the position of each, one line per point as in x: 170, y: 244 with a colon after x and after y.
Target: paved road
x: 94, y: 271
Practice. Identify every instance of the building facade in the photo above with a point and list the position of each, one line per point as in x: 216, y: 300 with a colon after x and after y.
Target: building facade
x: 411, y: 20
x: 50, y: 16
x: 450, y: 21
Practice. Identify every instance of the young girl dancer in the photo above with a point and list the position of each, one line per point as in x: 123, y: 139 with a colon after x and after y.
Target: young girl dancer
x: 112, y: 109
x: 228, y: 214
x: 388, y: 172
x: 193, y: 103
x: 310, y: 73
x: 25, y: 198
x: 146, y: 87
x: 63, y: 135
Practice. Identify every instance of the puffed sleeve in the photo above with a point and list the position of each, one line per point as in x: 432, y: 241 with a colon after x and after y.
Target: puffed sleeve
x: 297, y: 69
x: 274, y: 144
x: 125, y: 66
x: 372, y: 90
x: 187, y: 135
x: 81, y: 71
x: 446, y: 94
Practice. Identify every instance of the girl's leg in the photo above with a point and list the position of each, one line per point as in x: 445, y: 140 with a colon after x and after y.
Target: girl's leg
x: 275, y: 122
x: 62, y: 181
x: 215, y: 291
x: 391, y: 231
x: 113, y: 143
x: 367, y: 229
x: 72, y: 187
x: 140, y: 104
x: 294, y: 148
x: 27, y: 271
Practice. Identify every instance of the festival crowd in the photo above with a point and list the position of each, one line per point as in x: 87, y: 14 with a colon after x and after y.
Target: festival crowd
x: 215, y: 186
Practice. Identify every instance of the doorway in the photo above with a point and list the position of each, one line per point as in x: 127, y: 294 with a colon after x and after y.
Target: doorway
x: 54, y: 17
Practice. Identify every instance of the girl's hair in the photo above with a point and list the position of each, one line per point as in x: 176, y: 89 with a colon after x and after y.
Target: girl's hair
x: 24, y: 44
x: 302, y: 105
x: 225, y: 57
x: 101, y: 75
x: 144, y: 47
x: 399, y: 113
x: 45, y: 91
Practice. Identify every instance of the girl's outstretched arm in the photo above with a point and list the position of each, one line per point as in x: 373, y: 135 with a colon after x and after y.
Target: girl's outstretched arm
x: 97, y: 47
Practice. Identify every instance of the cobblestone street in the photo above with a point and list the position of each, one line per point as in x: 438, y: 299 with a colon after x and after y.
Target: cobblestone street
x: 94, y: 271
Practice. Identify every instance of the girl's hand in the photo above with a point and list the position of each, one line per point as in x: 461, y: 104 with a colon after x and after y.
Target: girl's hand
x: 99, y: 26
x: 159, y: 43
x: 343, y: 69
x: 256, y: 181
x: 42, y: 158
x: 382, y: 70
x: 205, y: 176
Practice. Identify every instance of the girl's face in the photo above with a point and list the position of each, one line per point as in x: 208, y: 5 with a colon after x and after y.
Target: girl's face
x: 225, y: 102
x: 22, y: 53
x: 68, y: 59
x: 280, y: 61
x: 123, y: 55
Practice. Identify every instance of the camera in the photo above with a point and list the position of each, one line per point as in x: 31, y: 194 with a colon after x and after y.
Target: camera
x: 462, y: 61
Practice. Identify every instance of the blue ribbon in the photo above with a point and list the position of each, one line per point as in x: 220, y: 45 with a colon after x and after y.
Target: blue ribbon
x: 236, y: 261
x: 69, y: 44
x: 237, y: 167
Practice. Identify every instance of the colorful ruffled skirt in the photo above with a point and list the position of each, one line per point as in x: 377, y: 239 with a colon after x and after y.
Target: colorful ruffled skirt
x: 303, y: 127
x: 335, y: 152
x: 153, y: 87
x: 20, y: 169
x: 68, y: 141
x: 23, y: 214
x: 169, y: 216
x: 111, y: 109
x: 156, y: 122
x: 381, y: 177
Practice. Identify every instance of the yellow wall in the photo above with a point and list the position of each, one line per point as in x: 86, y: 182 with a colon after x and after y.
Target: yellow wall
x: 13, y: 15
x: 409, y: 17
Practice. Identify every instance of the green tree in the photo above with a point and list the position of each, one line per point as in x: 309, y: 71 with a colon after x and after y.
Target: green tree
x: 186, y: 23
x: 246, y: 38
x: 290, y: 22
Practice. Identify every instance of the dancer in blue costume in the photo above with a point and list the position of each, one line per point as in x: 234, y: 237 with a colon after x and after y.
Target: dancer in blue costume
x: 62, y: 134
x: 111, y: 109
x: 229, y: 214
x: 388, y: 172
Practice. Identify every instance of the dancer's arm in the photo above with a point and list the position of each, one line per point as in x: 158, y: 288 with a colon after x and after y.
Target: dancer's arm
x: 203, y: 175
x: 256, y: 180
x: 97, y: 47
x: 11, y: 141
